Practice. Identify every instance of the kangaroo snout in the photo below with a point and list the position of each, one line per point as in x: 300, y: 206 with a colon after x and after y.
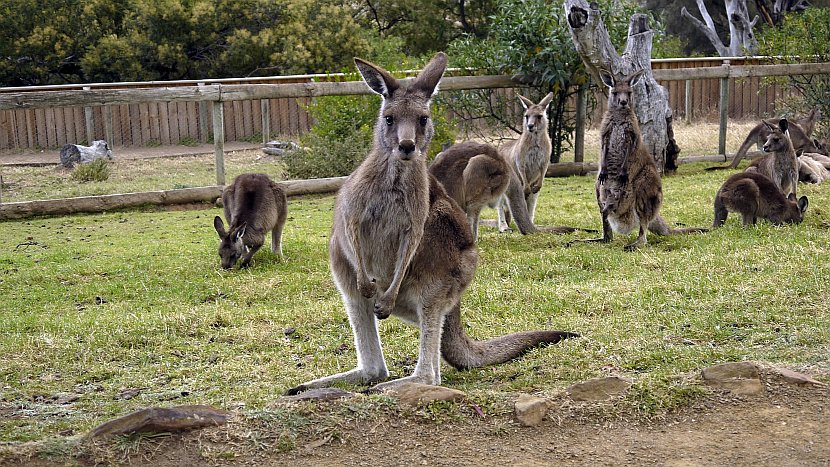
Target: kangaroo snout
x: 407, y: 147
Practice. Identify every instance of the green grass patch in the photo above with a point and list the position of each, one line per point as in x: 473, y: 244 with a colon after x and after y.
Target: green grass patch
x: 130, y: 309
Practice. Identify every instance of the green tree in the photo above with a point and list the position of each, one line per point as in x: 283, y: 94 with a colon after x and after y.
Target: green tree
x: 530, y: 40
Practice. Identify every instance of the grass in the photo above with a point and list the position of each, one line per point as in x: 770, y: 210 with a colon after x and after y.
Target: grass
x: 107, y: 305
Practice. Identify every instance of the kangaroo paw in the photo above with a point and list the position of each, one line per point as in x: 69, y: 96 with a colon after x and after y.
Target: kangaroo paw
x: 384, y: 306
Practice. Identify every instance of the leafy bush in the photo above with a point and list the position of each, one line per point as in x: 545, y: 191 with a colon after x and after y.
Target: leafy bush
x: 342, y: 136
x: 95, y: 171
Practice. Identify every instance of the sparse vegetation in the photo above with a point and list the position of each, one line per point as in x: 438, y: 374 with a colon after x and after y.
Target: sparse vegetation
x: 95, y: 171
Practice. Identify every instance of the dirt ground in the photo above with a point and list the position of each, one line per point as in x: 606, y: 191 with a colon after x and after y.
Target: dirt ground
x: 787, y: 425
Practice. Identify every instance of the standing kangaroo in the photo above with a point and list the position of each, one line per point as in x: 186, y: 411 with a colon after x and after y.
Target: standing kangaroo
x: 473, y: 174
x: 400, y: 246
x: 253, y: 205
x: 800, y: 135
x: 628, y: 187
x: 753, y: 195
x: 529, y: 157
x: 780, y: 164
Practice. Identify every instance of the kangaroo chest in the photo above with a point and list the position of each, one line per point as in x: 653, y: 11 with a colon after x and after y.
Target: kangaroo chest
x: 619, y: 143
x: 533, y: 161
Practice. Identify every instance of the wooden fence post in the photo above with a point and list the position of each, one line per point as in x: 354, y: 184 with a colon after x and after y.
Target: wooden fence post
x: 724, y: 111
x: 108, y: 131
x: 688, y: 116
x: 204, y: 128
x: 265, y: 105
x: 219, y: 140
x: 89, y: 122
x: 579, y: 136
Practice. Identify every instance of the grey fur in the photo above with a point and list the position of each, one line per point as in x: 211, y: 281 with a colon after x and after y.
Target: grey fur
x: 72, y: 154
x: 754, y: 196
x: 401, y: 246
x: 253, y: 205
x: 780, y: 164
x: 528, y: 157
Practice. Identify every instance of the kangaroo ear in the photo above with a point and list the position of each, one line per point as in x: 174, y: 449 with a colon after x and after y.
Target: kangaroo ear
x: 769, y: 126
x: 241, y: 232
x: 524, y: 101
x: 802, y: 203
x: 378, y: 79
x: 634, y: 78
x: 607, y: 78
x: 783, y: 124
x: 546, y: 101
x: 428, y: 79
x: 219, y: 226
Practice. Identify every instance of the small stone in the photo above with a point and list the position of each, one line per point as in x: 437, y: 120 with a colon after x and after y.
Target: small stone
x: 417, y: 394
x: 731, y: 370
x: 320, y: 394
x: 530, y: 410
x: 599, y: 389
x: 794, y: 377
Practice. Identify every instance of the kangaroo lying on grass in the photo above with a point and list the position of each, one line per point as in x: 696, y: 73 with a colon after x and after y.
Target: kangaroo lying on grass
x: 400, y: 246
x: 780, y: 164
x: 812, y: 168
x: 754, y: 195
x: 628, y: 187
x: 529, y: 157
x: 800, y: 135
x: 253, y: 205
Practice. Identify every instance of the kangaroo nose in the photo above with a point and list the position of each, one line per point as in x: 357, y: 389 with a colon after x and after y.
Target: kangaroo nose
x: 406, y: 146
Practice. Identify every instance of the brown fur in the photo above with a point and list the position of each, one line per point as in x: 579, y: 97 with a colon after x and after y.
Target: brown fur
x: 253, y: 205
x: 401, y: 246
x: 812, y: 168
x: 800, y: 135
x: 756, y: 196
x: 780, y: 164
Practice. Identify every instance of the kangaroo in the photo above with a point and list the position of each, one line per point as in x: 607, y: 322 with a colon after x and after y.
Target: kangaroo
x: 476, y: 175
x: 628, y: 186
x: 754, y: 195
x: 810, y: 170
x: 529, y: 157
x: 253, y: 205
x: 800, y: 131
x: 780, y: 164
x: 400, y: 246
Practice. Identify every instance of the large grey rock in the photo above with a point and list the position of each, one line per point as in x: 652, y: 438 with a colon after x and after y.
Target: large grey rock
x: 736, y: 377
x: 530, y: 410
x: 161, y: 420
x: 599, y: 389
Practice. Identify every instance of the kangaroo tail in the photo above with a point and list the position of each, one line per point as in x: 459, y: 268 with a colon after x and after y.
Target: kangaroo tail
x: 660, y: 227
x: 462, y: 352
x: 518, y: 207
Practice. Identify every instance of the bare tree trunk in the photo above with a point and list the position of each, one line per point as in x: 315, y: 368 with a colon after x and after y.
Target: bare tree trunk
x: 594, y: 46
x: 741, y: 38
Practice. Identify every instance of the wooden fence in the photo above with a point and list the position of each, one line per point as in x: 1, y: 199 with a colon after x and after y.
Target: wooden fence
x: 152, y: 121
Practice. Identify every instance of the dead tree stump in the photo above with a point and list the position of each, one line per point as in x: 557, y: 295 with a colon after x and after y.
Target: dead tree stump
x: 651, y: 102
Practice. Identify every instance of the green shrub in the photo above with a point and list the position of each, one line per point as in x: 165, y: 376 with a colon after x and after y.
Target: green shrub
x: 95, y: 171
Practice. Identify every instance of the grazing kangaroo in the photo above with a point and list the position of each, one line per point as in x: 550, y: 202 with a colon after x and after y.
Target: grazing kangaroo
x: 754, y: 195
x: 780, y: 164
x: 475, y: 175
x: 800, y: 131
x: 529, y: 157
x: 400, y: 246
x: 628, y: 186
x: 253, y: 205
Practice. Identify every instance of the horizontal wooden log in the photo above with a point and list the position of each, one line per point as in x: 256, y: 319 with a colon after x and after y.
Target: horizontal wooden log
x: 742, y: 71
x: 208, y: 194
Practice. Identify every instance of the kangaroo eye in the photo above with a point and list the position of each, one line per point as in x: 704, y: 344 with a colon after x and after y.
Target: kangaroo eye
x: 389, y: 121
x: 424, y: 121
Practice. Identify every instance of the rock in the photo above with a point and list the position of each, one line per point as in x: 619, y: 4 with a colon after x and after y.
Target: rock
x: 417, y: 394
x: 794, y: 377
x: 731, y: 370
x: 735, y: 377
x: 599, y: 389
x: 530, y: 410
x: 161, y: 420
x: 320, y: 394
